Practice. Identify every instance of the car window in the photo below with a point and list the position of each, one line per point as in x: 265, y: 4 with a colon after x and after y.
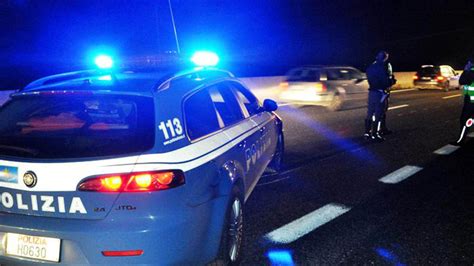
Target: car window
x: 340, y: 74
x: 428, y: 71
x: 446, y: 71
x: 249, y: 101
x: 304, y: 75
x: 200, y: 114
x: 65, y: 127
x: 226, y: 104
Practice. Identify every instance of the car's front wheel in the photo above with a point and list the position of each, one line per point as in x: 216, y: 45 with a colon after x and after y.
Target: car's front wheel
x: 231, y: 241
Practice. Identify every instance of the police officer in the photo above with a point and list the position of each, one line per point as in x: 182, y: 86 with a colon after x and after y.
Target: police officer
x: 380, y: 80
x: 466, y: 79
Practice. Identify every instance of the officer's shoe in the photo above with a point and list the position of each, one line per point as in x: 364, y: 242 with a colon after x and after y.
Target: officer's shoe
x: 367, y: 136
x: 377, y: 137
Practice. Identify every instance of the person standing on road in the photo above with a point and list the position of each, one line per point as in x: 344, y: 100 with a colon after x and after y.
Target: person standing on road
x: 380, y: 78
x: 467, y: 114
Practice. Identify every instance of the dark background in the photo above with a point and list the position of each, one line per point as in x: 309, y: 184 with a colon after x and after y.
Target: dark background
x: 253, y: 38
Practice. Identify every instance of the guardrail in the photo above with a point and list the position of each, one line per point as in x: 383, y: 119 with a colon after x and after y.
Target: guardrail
x: 268, y: 87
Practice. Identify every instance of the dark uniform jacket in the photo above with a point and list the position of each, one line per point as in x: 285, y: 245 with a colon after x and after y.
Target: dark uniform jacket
x: 467, y: 77
x: 378, y: 76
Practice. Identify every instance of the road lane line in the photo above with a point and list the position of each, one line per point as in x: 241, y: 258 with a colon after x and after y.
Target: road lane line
x: 395, y: 91
x: 446, y: 150
x: 400, y: 174
x: 306, y: 224
x: 273, y: 181
x: 471, y: 135
x: 451, y: 96
x: 398, y: 107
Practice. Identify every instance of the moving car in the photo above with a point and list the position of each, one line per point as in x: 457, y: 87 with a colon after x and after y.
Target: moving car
x: 329, y: 86
x: 441, y: 77
x: 126, y: 167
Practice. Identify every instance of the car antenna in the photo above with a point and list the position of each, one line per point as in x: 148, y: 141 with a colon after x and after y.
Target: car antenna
x: 174, y: 27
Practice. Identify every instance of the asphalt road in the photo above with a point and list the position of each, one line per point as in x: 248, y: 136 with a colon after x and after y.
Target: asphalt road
x: 343, y: 200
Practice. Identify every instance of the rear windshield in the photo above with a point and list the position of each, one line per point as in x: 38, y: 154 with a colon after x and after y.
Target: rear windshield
x: 64, y: 127
x: 305, y: 75
x: 428, y: 71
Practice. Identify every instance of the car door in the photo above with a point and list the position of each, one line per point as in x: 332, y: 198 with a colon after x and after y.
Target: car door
x: 453, y: 79
x: 348, y: 82
x: 261, y: 144
x: 241, y: 131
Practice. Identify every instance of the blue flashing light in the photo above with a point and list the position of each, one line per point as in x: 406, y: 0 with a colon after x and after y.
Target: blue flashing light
x: 104, y: 61
x: 205, y: 59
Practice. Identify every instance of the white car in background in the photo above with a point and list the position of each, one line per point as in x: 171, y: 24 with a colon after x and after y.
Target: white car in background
x: 329, y: 86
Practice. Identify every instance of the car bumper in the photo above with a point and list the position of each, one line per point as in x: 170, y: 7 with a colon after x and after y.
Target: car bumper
x: 429, y: 84
x: 187, y: 236
x: 323, y: 99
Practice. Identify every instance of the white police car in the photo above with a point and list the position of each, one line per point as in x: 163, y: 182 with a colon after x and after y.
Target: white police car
x: 131, y: 167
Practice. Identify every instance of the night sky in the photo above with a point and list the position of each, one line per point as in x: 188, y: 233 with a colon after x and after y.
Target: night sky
x: 256, y: 37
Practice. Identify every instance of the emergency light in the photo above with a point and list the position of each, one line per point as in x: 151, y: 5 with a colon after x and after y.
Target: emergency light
x: 205, y: 59
x: 104, y: 61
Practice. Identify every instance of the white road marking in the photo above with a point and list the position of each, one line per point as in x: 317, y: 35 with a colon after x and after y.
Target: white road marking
x: 451, y: 96
x: 398, y: 107
x: 471, y: 135
x: 446, y: 150
x: 395, y: 91
x: 284, y: 104
x: 400, y: 175
x: 306, y: 224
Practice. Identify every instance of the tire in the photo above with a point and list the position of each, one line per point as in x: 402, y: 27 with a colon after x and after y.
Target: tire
x: 446, y: 87
x: 276, y: 165
x: 337, y: 102
x: 231, y: 241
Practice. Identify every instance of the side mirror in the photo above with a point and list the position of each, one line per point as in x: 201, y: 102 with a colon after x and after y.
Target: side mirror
x: 270, y: 105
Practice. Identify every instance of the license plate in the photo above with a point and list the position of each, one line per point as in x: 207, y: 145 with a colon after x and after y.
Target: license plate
x: 33, y: 247
x: 426, y: 78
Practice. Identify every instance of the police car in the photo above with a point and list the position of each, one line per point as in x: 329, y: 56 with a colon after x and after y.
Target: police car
x: 112, y: 167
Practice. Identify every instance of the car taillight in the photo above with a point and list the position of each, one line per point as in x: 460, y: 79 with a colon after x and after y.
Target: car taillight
x: 134, y: 182
x: 284, y: 85
x: 439, y: 78
x: 320, y: 87
x: 415, y: 77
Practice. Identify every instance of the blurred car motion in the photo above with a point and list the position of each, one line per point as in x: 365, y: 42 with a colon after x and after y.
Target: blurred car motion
x: 441, y: 77
x: 329, y: 86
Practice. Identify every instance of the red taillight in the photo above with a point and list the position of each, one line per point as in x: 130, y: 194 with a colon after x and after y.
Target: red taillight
x: 320, y: 87
x: 134, y: 182
x: 415, y: 77
x: 439, y: 78
x: 122, y: 253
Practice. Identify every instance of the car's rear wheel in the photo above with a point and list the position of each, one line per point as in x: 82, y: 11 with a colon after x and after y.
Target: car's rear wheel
x: 231, y: 241
x: 446, y: 86
x: 337, y: 102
